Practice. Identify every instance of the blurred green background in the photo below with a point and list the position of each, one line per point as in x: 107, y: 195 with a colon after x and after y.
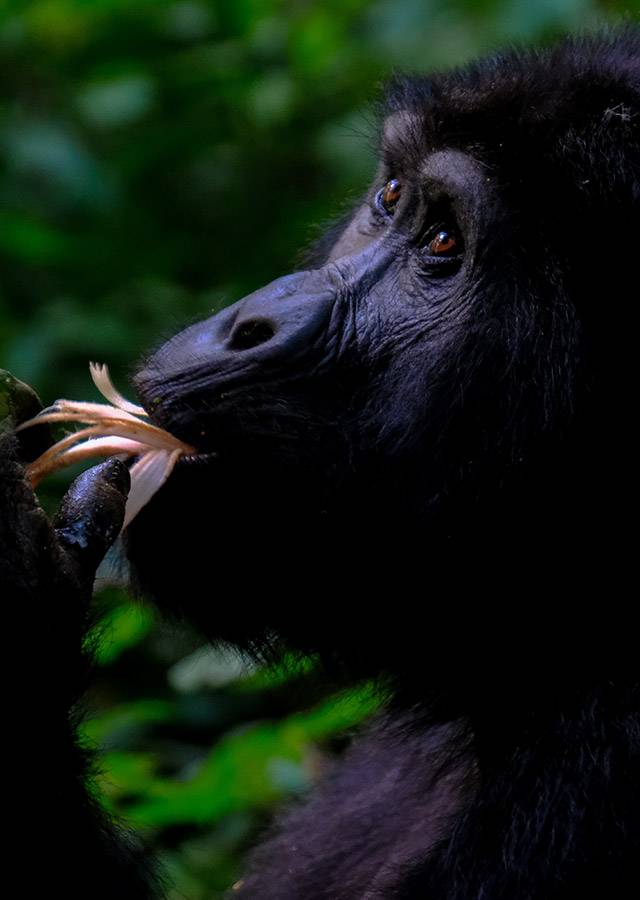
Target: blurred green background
x: 159, y: 159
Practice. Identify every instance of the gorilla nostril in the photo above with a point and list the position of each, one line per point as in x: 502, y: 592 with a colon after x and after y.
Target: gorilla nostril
x: 252, y: 333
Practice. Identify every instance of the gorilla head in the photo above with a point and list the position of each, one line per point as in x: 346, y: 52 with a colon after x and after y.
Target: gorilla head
x: 430, y: 419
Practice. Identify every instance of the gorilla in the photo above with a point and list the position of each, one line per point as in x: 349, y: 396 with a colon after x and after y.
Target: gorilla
x: 412, y: 465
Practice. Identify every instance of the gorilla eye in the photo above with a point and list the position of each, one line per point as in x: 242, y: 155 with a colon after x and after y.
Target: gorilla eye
x: 387, y: 199
x: 445, y: 243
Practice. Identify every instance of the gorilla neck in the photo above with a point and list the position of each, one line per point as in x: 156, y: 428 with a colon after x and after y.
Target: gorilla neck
x: 504, y: 586
x: 507, y: 573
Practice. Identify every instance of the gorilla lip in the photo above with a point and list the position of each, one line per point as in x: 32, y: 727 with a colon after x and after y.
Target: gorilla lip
x: 116, y: 429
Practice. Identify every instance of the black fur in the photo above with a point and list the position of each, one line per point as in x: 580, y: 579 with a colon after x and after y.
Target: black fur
x: 424, y: 472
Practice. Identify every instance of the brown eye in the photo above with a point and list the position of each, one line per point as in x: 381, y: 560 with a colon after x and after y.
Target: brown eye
x: 389, y: 196
x: 445, y: 243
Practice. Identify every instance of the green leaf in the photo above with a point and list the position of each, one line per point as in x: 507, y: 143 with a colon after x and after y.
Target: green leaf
x: 121, y: 628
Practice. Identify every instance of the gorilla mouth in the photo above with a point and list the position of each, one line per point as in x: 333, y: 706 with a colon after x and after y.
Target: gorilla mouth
x: 196, y: 459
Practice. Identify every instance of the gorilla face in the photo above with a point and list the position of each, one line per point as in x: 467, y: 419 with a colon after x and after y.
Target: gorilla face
x: 433, y: 398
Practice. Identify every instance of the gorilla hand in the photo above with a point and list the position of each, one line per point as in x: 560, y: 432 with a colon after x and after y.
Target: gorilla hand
x: 40, y: 558
x: 47, y: 569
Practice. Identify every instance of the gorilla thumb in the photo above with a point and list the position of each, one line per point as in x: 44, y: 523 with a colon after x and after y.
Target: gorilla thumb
x: 91, y: 514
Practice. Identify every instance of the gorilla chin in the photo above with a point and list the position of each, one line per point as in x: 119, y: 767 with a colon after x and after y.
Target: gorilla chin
x: 429, y: 416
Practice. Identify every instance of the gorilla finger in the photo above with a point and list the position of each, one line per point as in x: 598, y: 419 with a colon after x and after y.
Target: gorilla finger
x: 19, y: 402
x: 91, y: 514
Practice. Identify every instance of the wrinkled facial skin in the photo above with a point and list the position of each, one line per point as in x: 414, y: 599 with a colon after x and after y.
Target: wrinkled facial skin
x: 386, y: 419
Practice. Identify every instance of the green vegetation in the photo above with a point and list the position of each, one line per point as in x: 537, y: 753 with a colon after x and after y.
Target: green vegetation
x: 157, y: 161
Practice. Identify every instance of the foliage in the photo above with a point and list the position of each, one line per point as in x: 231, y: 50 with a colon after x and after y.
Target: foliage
x: 158, y: 160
